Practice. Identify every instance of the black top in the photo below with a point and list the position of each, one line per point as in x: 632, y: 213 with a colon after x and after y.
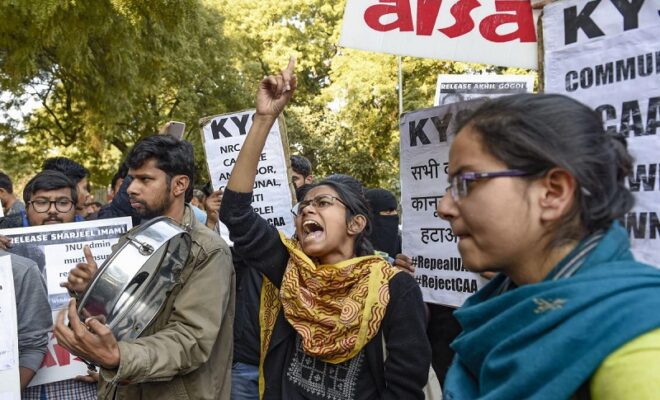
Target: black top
x: 401, y: 376
x: 246, y: 319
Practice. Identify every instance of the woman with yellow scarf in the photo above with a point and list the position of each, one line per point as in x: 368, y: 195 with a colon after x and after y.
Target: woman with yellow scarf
x: 336, y: 321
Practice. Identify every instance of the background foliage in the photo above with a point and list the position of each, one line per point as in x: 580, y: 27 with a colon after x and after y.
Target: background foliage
x: 108, y: 72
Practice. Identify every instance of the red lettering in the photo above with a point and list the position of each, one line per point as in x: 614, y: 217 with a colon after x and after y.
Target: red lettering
x: 63, y: 355
x: 522, y: 16
x: 401, y: 8
x: 48, y: 361
x: 461, y: 13
x: 427, y: 14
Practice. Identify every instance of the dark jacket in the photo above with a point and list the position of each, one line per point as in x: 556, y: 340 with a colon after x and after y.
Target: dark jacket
x: 405, y: 371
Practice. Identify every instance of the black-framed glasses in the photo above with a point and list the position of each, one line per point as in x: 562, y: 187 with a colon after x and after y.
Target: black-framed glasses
x: 43, y: 205
x: 459, y: 184
x: 319, y: 202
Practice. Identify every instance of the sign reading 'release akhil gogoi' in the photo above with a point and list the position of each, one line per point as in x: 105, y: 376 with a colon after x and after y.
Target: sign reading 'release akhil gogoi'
x: 223, y: 136
x: 499, y: 32
x: 57, y: 249
x: 607, y: 55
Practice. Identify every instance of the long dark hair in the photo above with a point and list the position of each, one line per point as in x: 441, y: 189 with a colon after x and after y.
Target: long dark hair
x: 352, y: 195
x: 538, y: 132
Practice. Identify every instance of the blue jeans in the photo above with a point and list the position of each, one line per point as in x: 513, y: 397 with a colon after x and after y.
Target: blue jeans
x: 244, y: 381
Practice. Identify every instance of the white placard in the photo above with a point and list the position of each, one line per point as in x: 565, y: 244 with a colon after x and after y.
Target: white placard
x: 455, y: 88
x: 57, y: 249
x: 499, y: 32
x: 10, y: 383
x: 223, y: 136
x: 609, y: 59
x: 426, y: 238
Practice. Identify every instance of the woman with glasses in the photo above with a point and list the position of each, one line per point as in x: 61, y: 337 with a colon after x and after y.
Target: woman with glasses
x: 536, y: 192
x: 336, y: 322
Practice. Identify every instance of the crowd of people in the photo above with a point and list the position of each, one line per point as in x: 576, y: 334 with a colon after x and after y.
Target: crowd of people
x: 536, y: 190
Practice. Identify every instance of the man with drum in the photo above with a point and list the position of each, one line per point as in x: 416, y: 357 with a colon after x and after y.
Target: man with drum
x: 185, y: 353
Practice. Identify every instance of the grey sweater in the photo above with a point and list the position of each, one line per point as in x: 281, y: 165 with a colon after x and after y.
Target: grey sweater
x: 32, y: 309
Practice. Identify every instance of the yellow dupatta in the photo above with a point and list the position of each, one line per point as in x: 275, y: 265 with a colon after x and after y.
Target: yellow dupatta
x: 336, y: 309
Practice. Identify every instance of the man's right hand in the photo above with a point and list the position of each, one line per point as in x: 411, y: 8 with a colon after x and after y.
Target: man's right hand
x: 80, y: 276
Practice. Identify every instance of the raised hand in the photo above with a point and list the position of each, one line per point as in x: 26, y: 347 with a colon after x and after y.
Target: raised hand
x: 80, y: 276
x: 275, y: 91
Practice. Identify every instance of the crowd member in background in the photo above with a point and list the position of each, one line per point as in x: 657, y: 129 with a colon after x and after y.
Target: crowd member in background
x: 78, y: 174
x: 198, y: 199
x: 377, y: 346
x: 301, y: 171
x: 116, y: 182
x: 50, y: 198
x: 120, y: 206
x: 537, y: 188
x: 10, y: 204
x: 185, y: 352
x: 92, y: 209
x: 385, y: 235
x: 33, y: 315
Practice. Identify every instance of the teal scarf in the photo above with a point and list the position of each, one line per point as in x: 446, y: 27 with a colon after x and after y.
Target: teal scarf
x: 543, y: 341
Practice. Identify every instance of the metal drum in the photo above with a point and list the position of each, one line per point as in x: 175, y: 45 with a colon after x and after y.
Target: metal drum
x: 131, y: 286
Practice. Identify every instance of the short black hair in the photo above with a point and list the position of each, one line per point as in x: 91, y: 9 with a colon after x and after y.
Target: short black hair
x: 120, y: 174
x: 301, y: 165
x: 75, y: 171
x: 173, y: 156
x: 49, y: 180
x: 5, y: 183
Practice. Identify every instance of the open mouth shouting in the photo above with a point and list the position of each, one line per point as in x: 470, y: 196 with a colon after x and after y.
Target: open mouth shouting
x: 312, y: 230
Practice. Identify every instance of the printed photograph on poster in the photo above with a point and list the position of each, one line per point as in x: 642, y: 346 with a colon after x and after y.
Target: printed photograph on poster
x: 57, y: 249
x: 223, y: 136
x: 456, y: 88
x: 616, y: 73
x: 495, y: 32
x: 9, y: 370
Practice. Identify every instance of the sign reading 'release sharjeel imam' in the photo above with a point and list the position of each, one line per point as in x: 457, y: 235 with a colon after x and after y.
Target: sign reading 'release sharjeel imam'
x: 500, y: 32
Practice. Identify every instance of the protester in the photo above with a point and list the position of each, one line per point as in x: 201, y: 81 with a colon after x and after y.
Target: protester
x: 301, y: 171
x: 92, y: 208
x: 363, y: 335
x: 185, y: 353
x: 536, y: 192
x: 33, y: 315
x: 50, y: 198
x: 10, y: 204
x: 385, y: 235
x: 78, y: 174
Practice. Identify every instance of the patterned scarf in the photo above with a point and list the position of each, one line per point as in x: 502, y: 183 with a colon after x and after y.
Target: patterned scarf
x: 336, y: 309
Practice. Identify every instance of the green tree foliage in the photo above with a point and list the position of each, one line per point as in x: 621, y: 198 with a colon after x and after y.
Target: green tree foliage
x: 111, y: 71
x: 107, y: 73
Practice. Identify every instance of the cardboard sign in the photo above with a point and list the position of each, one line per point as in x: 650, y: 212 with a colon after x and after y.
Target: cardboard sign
x: 10, y: 383
x: 223, y: 136
x: 57, y: 249
x: 607, y: 55
x: 456, y: 88
x: 499, y: 32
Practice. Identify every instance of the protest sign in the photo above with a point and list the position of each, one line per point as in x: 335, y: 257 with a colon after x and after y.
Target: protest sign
x: 10, y: 384
x: 499, y: 32
x: 57, y: 249
x: 223, y: 136
x: 455, y: 88
x: 427, y: 239
x: 607, y: 55
x: 425, y: 142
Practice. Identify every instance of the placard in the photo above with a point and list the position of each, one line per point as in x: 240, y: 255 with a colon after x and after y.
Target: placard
x: 223, y: 136
x: 608, y: 57
x: 498, y: 32
x: 57, y: 249
x: 10, y: 382
x: 455, y: 88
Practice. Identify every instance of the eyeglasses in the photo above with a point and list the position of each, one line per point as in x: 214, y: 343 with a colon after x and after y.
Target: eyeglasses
x: 319, y: 202
x: 459, y: 184
x: 42, y: 205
